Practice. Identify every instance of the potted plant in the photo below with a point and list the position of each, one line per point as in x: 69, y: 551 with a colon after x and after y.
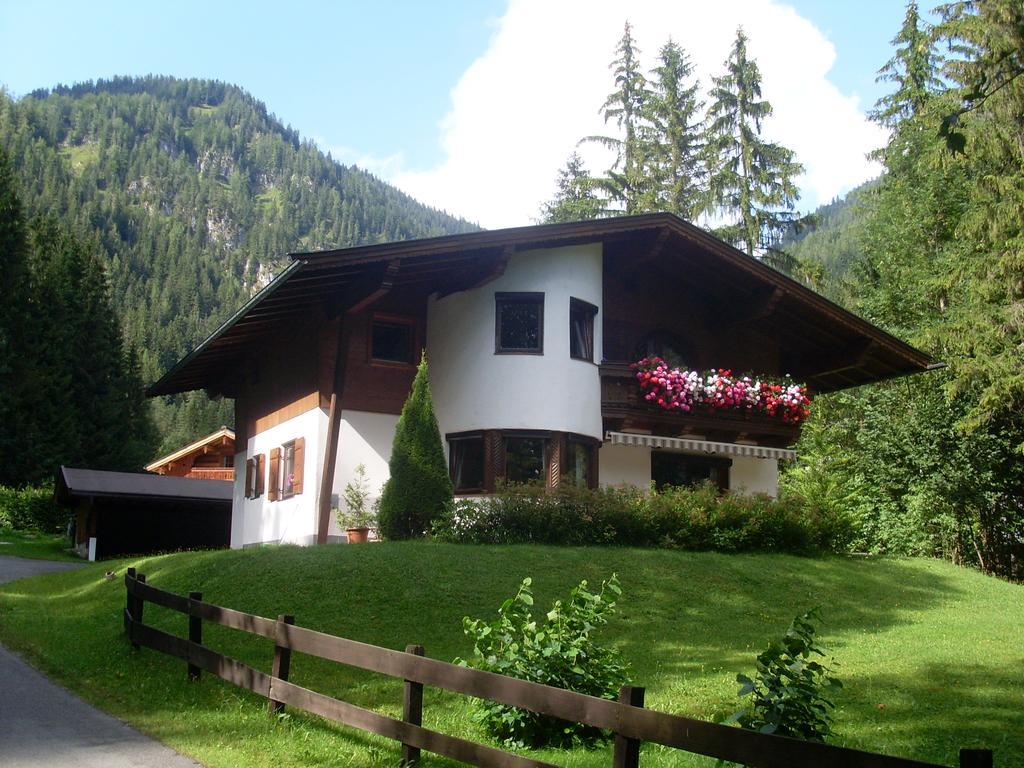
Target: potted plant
x: 357, y: 518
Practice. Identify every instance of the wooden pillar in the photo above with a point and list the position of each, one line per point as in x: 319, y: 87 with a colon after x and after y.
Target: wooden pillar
x: 282, y: 659
x: 412, y: 710
x: 627, y: 751
x: 333, y: 431
x: 195, y: 631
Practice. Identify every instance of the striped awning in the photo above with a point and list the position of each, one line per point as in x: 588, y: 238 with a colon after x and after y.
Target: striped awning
x: 688, y: 445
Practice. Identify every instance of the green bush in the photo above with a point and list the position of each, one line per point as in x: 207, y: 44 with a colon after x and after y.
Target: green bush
x: 32, y: 509
x: 557, y: 649
x: 789, y: 693
x: 698, y: 518
x: 419, y: 489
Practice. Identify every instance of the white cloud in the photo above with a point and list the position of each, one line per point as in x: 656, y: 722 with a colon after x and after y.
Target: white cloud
x: 519, y: 109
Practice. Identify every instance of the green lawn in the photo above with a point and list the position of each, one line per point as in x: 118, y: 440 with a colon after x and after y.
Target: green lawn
x: 38, y: 546
x: 932, y: 655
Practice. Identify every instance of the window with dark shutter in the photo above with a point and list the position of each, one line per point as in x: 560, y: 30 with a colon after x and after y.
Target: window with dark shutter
x: 274, y: 478
x: 298, y: 464
x: 249, y: 479
x: 261, y: 474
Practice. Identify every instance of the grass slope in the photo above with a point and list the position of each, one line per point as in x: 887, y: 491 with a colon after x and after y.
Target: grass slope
x: 931, y: 654
x: 36, y: 546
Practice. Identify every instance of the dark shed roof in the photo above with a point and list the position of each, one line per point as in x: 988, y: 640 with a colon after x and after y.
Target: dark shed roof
x: 855, y: 351
x: 77, y: 483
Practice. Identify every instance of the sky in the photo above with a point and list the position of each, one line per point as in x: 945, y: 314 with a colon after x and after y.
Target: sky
x: 472, y: 107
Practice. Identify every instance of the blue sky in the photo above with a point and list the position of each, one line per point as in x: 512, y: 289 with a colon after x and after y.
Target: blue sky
x: 392, y: 85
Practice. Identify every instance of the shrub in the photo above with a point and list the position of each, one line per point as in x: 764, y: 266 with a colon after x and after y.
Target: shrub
x: 557, y: 650
x: 789, y: 693
x: 32, y: 509
x: 697, y: 518
x: 419, y: 488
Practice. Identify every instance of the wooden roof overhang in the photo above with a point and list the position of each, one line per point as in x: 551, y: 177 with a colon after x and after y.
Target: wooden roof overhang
x: 827, y: 346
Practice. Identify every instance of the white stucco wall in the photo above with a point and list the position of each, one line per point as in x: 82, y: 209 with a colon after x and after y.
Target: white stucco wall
x: 474, y: 388
x: 365, y: 438
x: 625, y: 465
x: 287, y: 521
x: 749, y: 475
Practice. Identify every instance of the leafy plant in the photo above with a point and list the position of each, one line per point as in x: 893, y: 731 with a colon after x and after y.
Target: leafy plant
x: 556, y: 650
x: 789, y: 694
x: 356, y: 493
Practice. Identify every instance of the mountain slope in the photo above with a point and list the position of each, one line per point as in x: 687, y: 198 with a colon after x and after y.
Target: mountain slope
x: 194, y: 193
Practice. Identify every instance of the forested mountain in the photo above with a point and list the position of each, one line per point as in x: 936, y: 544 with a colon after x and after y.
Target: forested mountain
x: 194, y: 194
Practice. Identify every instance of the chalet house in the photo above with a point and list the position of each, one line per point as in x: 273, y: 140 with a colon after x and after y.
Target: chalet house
x: 209, y: 458
x: 530, y: 333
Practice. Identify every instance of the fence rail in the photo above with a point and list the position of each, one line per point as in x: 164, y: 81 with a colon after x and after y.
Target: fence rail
x: 631, y: 723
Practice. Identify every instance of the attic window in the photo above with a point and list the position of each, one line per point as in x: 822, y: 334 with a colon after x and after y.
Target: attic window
x: 391, y: 341
x: 519, y: 323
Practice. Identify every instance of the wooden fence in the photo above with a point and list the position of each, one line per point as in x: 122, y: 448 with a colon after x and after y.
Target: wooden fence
x: 626, y: 718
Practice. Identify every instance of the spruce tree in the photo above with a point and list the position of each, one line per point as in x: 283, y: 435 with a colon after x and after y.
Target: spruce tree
x: 750, y: 180
x: 672, y: 137
x: 575, y: 196
x: 913, y: 69
x: 626, y: 182
x: 419, y: 487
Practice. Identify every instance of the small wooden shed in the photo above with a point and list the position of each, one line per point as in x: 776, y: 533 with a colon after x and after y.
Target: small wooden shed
x: 136, y: 513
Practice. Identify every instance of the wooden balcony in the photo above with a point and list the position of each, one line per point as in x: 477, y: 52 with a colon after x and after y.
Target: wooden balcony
x: 624, y: 409
x: 211, y: 473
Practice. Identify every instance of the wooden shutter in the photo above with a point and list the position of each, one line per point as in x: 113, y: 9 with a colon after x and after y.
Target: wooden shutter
x: 261, y: 474
x: 248, y: 478
x: 274, y: 489
x: 298, y: 464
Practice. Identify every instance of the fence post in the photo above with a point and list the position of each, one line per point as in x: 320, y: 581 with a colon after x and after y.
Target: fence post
x: 627, y: 751
x: 137, y: 605
x: 975, y: 758
x: 282, y: 661
x: 128, y: 615
x: 412, y: 710
x: 195, y: 631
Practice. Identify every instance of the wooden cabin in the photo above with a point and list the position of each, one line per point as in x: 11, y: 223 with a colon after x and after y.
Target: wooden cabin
x: 209, y: 458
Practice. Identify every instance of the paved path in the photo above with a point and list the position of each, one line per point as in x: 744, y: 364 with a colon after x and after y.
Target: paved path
x: 44, y: 726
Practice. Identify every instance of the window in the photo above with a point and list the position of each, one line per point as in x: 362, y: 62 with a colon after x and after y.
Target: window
x: 668, y: 468
x: 581, y: 330
x: 579, y: 464
x: 466, y: 463
x: 254, y: 473
x: 524, y: 459
x: 391, y: 341
x: 519, y: 323
x: 287, y: 464
x: 288, y: 470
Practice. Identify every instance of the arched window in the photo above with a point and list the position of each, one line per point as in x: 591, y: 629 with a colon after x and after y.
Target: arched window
x: 669, y: 346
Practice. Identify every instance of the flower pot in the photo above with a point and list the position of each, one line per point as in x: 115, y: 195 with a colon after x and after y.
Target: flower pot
x: 357, y: 535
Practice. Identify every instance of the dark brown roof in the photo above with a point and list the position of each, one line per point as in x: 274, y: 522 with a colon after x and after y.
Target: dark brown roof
x: 76, y: 483
x: 864, y: 352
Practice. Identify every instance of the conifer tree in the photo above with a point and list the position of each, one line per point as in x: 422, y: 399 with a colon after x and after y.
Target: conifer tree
x: 750, y: 179
x: 419, y: 487
x: 13, y: 316
x: 672, y: 137
x: 913, y: 69
x: 575, y: 195
x: 626, y: 183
